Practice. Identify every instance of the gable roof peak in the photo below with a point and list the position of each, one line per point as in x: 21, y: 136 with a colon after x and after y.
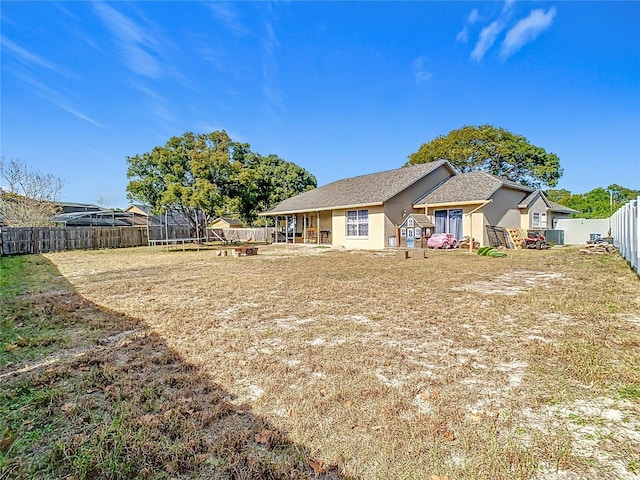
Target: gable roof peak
x: 362, y: 190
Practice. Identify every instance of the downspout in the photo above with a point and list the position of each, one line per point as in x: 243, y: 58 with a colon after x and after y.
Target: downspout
x: 484, y: 204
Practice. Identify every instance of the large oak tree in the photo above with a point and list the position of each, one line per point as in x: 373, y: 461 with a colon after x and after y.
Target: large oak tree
x: 208, y: 175
x: 493, y: 150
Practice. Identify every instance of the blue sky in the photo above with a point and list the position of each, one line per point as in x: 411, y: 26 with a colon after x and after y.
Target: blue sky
x: 339, y: 88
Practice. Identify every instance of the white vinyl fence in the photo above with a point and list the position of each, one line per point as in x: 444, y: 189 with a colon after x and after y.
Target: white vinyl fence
x: 625, y: 230
x: 578, y: 231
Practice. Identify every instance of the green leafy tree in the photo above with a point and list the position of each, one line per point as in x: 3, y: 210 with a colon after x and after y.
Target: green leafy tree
x: 208, y: 175
x: 493, y: 150
x: 560, y: 196
x: 597, y: 203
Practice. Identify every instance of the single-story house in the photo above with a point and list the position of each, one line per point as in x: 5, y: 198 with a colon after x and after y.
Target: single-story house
x: 359, y: 212
x: 365, y: 212
x: 224, y: 222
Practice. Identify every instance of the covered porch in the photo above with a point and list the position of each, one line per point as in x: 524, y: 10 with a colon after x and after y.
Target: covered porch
x: 303, y: 227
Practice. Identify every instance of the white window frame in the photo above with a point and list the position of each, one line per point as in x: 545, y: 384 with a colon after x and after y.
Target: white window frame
x: 535, y: 220
x: 418, y: 232
x: 358, y: 222
x: 410, y: 222
x: 403, y: 232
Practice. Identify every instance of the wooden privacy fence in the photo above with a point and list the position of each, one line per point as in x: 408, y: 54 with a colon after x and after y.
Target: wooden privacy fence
x: 625, y: 230
x: 24, y: 240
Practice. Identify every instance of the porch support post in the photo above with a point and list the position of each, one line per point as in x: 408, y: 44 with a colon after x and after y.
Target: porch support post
x: 471, y: 222
x: 318, y: 229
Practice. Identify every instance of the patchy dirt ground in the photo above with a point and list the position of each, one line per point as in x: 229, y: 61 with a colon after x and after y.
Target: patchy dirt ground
x: 457, y: 366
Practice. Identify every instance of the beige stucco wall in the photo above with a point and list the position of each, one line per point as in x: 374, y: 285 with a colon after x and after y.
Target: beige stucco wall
x: 374, y: 241
x: 538, y: 206
x: 396, y: 206
x: 504, y: 211
x: 472, y: 224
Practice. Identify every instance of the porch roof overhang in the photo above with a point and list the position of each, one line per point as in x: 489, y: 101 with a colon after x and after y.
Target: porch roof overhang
x: 320, y: 209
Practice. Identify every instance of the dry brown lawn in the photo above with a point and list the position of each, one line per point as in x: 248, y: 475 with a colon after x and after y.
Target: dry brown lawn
x: 455, y: 366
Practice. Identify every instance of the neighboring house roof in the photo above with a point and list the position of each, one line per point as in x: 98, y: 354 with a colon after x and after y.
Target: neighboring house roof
x: 71, y: 207
x: 556, y: 207
x: 372, y: 189
x: 230, y: 221
x: 171, y: 217
x: 140, y: 209
x: 468, y: 187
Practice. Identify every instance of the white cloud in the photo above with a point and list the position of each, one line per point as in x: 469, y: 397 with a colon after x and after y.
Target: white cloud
x: 473, y: 17
x: 507, y: 6
x: 526, y: 30
x: 420, y: 70
x: 487, y: 38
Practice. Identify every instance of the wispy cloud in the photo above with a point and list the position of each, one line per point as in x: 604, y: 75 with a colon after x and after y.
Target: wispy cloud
x: 58, y: 99
x: 136, y: 44
x: 31, y: 59
x: 526, y: 30
x: 463, y: 35
x: 487, y: 38
x: 228, y: 16
x: 68, y: 13
x: 419, y: 67
x: 270, y: 88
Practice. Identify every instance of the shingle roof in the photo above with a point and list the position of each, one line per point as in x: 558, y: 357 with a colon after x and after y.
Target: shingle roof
x: 556, y: 207
x: 230, y: 221
x: 468, y: 187
x: 528, y: 200
x: 372, y: 189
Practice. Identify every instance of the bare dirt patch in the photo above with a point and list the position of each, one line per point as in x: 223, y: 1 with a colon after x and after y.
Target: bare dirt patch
x: 458, y: 365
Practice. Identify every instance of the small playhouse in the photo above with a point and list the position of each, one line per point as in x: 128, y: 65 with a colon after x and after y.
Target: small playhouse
x: 415, y: 230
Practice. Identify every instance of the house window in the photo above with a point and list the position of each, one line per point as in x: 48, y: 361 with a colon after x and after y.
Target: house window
x: 539, y: 220
x: 357, y: 223
x: 410, y: 222
x: 417, y: 232
x: 403, y: 232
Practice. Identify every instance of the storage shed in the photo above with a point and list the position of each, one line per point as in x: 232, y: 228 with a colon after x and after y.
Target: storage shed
x: 224, y: 222
x: 415, y: 230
